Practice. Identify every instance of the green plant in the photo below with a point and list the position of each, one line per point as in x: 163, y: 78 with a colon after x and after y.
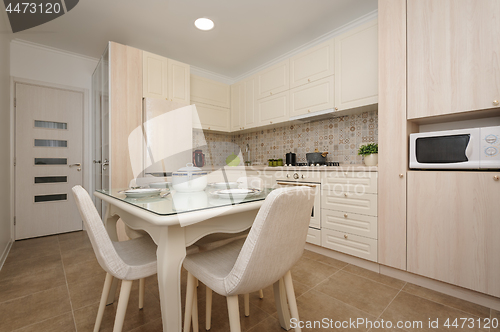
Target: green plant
x: 365, y: 150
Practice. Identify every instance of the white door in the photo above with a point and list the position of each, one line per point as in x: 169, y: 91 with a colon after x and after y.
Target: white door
x: 48, y: 160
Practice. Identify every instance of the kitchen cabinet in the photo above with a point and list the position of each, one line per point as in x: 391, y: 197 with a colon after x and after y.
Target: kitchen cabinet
x: 453, y: 56
x: 273, y: 109
x: 273, y: 80
x: 356, y: 67
x: 350, y: 244
x: 453, y: 228
x: 251, y: 115
x: 312, y: 97
x: 210, y: 92
x: 213, y: 117
x: 313, y: 64
x: 165, y: 78
x: 392, y: 134
x: 237, y: 106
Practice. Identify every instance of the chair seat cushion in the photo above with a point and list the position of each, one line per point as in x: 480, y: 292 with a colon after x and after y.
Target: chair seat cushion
x: 140, y: 257
x: 216, y: 240
x: 212, y: 267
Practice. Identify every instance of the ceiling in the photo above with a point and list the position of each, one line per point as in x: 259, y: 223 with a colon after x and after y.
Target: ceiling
x: 247, y: 33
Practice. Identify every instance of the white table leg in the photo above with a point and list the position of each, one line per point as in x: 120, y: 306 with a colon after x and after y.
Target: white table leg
x: 281, y: 304
x: 171, y: 253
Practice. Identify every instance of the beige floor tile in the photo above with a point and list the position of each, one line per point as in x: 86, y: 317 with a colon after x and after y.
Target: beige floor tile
x: 364, y: 294
x: 77, y: 256
x: 154, y: 326
x: 388, y: 281
x: 34, y: 308
x: 411, y: 308
x: 33, y: 249
x: 495, y: 321
x: 31, y: 283
x: 318, y: 307
x: 61, y: 323
x: 74, y: 241
x: 269, y: 325
x: 86, y: 292
x: 76, y: 273
x: 310, y: 272
x: 324, y: 259
x: 469, y: 307
x: 23, y: 267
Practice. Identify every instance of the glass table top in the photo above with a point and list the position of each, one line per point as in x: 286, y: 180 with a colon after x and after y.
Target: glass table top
x: 170, y: 202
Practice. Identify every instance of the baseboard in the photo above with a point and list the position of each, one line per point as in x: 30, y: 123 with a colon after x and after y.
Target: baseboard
x: 6, y: 251
x: 436, y: 285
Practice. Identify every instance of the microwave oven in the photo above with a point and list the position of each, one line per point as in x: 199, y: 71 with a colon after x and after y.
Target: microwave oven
x: 473, y: 148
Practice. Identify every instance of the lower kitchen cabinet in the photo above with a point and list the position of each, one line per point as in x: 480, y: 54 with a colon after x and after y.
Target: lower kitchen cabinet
x: 352, y: 223
x: 454, y: 228
x: 314, y: 236
x: 350, y: 244
x: 362, y: 203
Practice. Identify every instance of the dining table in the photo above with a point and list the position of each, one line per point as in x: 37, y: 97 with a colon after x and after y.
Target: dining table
x: 176, y: 220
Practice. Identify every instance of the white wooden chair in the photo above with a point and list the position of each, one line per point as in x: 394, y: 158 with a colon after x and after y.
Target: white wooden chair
x: 275, y: 243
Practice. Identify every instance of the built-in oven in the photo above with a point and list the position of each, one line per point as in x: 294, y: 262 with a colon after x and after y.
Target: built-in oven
x: 311, y: 179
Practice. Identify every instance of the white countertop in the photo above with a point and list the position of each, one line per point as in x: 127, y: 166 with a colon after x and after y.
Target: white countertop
x: 341, y: 168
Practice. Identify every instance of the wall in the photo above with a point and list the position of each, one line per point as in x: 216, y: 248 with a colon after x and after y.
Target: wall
x: 40, y: 63
x: 339, y: 136
x: 5, y: 169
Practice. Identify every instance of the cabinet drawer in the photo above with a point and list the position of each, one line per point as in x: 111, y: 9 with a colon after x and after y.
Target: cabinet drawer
x: 355, y: 182
x: 352, y: 223
x: 314, y: 236
x: 350, y: 244
x: 350, y: 202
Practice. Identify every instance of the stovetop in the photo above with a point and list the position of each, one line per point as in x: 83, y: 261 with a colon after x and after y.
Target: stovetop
x: 328, y: 163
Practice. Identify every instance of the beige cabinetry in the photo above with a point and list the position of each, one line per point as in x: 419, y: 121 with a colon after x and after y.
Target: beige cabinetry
x: 349, y: 213
x: 165, y: 78
x: 273, y: 109
x: 356, y: 67
x: 454, y: 229
x: 251, y: 115
x: 453, y: 56
x: 237, y: 106
x: 311, y: 65
x: 273, y: 80
x: 392, y: 134
x: 312, y: 97
x: 212, y: 100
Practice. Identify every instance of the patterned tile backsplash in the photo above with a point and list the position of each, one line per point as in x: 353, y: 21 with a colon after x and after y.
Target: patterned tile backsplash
x: 340, y: 136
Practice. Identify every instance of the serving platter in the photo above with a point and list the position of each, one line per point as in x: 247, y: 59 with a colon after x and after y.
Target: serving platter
x: 236, y: 193
x: 142, y: 192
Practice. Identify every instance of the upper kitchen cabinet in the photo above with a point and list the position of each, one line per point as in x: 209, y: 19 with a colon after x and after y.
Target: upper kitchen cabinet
x: 273, y: 80
x: 453, y: 56
x: 312, y: 97
x: 209, y: 92
x: 165, y: 78
x: 273, y: 109
x: 237, y: 106
x: 213, y: 117
x: 311, y: 65
x: 251, y: 114
x: 356, y: 67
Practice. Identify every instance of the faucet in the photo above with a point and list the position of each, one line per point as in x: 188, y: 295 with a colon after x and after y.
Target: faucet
x: 247, y: 150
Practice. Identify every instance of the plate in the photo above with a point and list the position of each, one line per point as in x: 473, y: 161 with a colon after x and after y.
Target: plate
x: 224, y: 185
x: 143, y: 192
x: 160, y: 185
x: 236, y: 193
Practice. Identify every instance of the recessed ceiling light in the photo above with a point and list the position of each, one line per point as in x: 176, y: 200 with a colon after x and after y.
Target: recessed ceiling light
x: 204, y: 24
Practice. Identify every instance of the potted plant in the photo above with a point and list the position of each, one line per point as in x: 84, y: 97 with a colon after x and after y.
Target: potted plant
x: 280, y: 162
x: 370, y: 153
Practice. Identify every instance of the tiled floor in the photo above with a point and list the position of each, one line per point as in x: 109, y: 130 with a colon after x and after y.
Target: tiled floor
x: 54, y: 284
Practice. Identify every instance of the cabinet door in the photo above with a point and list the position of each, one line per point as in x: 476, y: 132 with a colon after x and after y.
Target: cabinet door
x: 209, y: 92
x: 213, y: 117
x: 311, y: 65
x: 453, y: 56
x: 273, y: 80
x: 313, y: 97
x: 155, y: 76
x: 454, y: 228
x: 273, y: 109
x: 178, y: 82
x: 251, y: 118
x: 237, y: 106
x: 356, y: 67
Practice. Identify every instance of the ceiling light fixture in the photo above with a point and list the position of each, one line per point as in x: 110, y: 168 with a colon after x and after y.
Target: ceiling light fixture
x: 204, y: 24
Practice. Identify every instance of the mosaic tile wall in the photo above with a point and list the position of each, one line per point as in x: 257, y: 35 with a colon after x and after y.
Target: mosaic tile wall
x: 218, y: 146
x: 340, y: 136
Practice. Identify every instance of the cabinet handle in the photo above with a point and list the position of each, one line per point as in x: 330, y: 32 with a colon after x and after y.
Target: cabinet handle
x: 496, y: 178
x: 308, y: 111
x: 208, y: 128
x: 495, y: 102
x: 309, y: 80
x: 336, y: 108
x: 401, y: 175
x: 345, y: 215
x: 270, y: 93
x: 345, y: 236
x: 270, y: 122
x: 345, y: 194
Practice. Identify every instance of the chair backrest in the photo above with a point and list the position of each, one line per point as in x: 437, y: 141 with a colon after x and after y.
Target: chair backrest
x: 276, y: 240
x: 250, y: 182
x: 104, y: 250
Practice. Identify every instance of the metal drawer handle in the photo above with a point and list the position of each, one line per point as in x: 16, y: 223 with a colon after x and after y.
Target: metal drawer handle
x: 345, y: 215
x: 77, y: 164
x: 296, y: 184
x: 345, y: 236
x: 345, y: 194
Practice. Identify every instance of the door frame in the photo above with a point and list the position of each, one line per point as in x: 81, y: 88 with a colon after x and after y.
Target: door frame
x: 86, y: 132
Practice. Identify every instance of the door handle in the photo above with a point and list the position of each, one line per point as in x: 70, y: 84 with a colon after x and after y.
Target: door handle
x: 105, y: 164
x: 77, y: 164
